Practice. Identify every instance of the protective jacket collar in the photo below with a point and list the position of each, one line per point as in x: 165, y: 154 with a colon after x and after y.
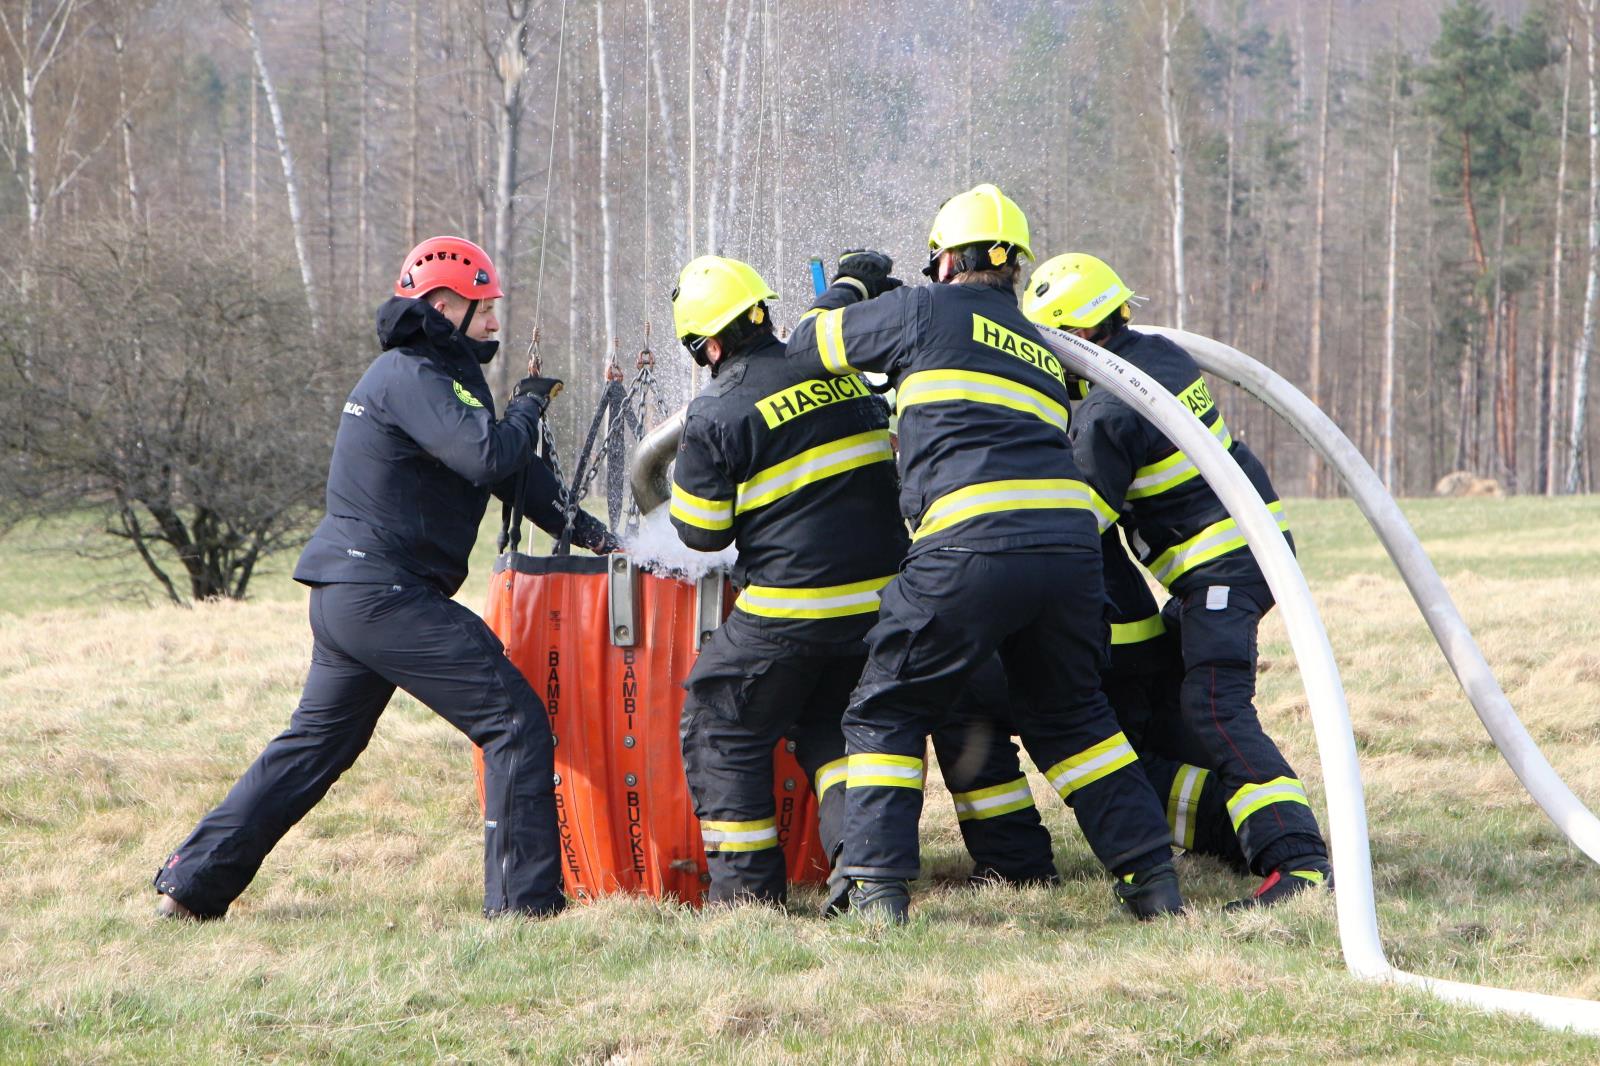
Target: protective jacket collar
x: 405, y: 322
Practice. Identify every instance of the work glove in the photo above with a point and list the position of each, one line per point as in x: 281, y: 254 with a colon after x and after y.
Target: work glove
x: 870, y: 268
x: 536, y: 391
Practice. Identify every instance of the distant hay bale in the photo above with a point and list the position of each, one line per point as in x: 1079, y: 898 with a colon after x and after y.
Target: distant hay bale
x: 1466, y: 483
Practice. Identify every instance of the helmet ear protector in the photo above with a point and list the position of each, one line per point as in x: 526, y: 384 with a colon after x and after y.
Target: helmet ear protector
x: 974, y: 257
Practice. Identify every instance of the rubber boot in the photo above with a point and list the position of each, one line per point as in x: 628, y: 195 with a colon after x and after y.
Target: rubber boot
x: 888, y: 902
x: 1291, y: 878
x: 1150, y: 893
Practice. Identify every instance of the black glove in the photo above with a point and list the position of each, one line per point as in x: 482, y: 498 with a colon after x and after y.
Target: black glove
x: 870, y: 268
x: 537, y: 391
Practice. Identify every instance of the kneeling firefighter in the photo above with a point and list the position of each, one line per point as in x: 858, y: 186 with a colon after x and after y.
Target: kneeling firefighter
x: 1005, y: 557
x: 1142, y: 682
x: 797, y: 470
x: 1185, y: 538
x: 417, y: 454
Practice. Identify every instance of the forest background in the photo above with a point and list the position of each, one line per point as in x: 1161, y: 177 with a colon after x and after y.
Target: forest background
x: 1394, y: 203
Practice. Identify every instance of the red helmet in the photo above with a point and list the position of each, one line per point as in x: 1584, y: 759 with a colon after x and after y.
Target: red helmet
x: 453, y: 263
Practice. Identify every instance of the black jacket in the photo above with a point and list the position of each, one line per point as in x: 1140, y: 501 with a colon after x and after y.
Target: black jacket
x: 1175, y: 522
x: 984, y: 457
x: 416, y: 457
x: 797, y: 469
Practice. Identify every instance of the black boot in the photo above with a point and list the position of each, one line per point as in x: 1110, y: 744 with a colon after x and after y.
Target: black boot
x: 888, y: 902
x: 1150, y: 893
x: 1292, y: 877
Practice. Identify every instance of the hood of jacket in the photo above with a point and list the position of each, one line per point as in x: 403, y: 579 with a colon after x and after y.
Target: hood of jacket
x: 406, y: 322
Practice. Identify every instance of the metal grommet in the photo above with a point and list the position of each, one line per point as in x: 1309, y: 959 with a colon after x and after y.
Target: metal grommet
x: 558, y: 778
x: 628, y: 742
x: 788, y: 784
x: 789, y: 746
x: 632, y: 780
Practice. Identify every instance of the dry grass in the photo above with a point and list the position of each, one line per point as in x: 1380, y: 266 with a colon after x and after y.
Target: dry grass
x: 361, y: 941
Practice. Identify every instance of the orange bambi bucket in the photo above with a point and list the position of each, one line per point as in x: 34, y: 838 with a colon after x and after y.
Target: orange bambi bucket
x: 607, y: 646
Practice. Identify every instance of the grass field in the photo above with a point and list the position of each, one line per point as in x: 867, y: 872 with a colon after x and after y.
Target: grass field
x: 120, y: 724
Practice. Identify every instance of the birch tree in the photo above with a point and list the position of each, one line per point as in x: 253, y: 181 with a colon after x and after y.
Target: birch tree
x: 1591, y: 288
x: 297, y: 221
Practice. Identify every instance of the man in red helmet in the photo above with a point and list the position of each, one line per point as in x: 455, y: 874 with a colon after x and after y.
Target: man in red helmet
x: 416, y: 457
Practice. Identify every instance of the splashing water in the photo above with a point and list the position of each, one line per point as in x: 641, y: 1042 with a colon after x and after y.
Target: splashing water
x: 655, y: 547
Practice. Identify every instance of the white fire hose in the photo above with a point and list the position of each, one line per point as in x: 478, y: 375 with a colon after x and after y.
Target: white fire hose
x: 1347, y: 816
x: 1569, y: 814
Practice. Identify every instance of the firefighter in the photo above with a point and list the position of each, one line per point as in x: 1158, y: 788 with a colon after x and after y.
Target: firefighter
x: 417, y: 454
x: 1004, y: 557
x: 994, y: 806
x: 1184, y: 537
x: 795, y: 467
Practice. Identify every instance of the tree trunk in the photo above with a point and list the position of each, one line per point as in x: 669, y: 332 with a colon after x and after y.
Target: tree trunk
x: 606, y: 250
x: 669, y: 143
x: 1226, y: 329
x: 363, y: 263
x: 511, y: 67
x: 1318, y: 244
x: 1591, y: 289
x: 332, y: 273
x: 1551, y: 440
x: 1172, y: 124
x: 414, y: 136
x: 738, y: 167
x: 719, y: 162
x: 297, y: 220
x: 119, y: 44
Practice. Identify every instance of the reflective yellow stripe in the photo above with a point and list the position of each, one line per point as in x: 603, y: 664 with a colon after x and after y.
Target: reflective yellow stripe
x: 826, y: 601
x: 940, y: 386
x: 1174, y: 470
x: 740, y: 836
x: 1137, y: 632
x: 814, y: 465
x: 993, y: 801
x: 830, y: 342
x: 890, y: 771
x: 698, y: 511
x: 993, y: 497
x: 1183, y: 802
x: 830, y: 774
x: 1091, y: 764
x: 810, y: 313
x: 1215, y: 540
x: 1103, y: 511
x: 1251, y: 798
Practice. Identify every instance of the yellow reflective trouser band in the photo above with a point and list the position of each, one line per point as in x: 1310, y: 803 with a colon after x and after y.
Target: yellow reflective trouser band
x: 1137, y: 632
x: 740, y: 836
x: 1251, y: 798
x: 1091, y: 764
x: 830, y: 342
x: 830, y: 774
x: 1183, y: 802
x: 890, y: 771
x: 993, y: 801
x: 1174, y: 470
x: 830, y: 601
x: 1215, y: 540
x: 994, y: 497
x: 943, y: 386
x: 814, y: 465
x: 698, y: 511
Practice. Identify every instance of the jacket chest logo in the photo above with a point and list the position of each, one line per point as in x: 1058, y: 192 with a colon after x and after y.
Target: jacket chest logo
x: 994, y: 335
x: 464, y: 396
x: 796, y: 400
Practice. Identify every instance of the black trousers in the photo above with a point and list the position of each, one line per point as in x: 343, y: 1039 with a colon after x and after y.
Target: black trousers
x: 746, y: 693
x: 944, y: 615
x: 369, y: 640
x: 1265, y: 801
x: 995, y: 810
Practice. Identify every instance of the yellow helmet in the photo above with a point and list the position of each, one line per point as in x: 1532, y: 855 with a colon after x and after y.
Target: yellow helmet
x: 1075, y: 290
x: 982, y: 214
x: 712, y: 292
